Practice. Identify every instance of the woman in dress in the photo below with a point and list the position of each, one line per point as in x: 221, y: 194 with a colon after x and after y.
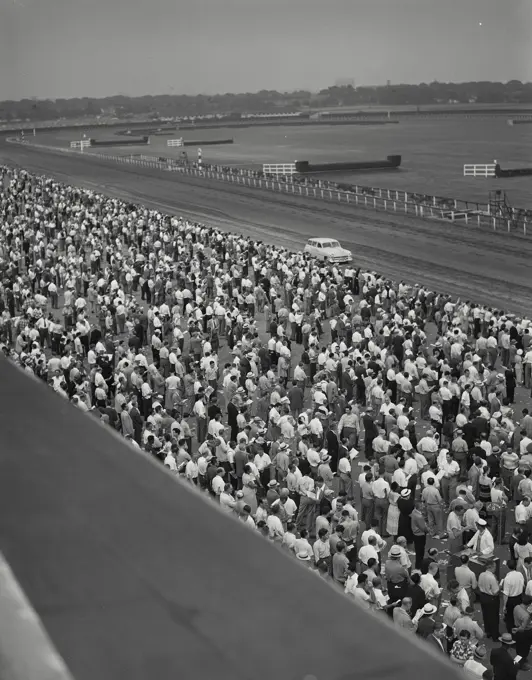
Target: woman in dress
x: 392, y: 520
x: 249, y: 488
x: 522, y: 549
x: 484, y: 490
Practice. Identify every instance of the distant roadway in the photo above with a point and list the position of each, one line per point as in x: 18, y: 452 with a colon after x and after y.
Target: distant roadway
x: 487, y: 267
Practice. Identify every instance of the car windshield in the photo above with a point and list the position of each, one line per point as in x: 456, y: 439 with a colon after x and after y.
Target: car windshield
x: 331, y: 244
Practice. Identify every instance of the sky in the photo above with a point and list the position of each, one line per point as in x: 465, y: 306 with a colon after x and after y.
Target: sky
x: 97, y: 48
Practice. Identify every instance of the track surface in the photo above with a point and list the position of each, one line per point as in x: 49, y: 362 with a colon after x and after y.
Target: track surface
x: 484, y: 266
x: 135, y: 576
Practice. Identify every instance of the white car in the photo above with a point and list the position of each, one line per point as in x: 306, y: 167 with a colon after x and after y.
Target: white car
x: 328, y: 250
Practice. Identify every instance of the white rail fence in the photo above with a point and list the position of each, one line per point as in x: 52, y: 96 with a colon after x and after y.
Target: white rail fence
x: 174, y: 142
x: 279, y: 169
x: 386, y: 200
x: 82, y: 144
x: 479, y: 170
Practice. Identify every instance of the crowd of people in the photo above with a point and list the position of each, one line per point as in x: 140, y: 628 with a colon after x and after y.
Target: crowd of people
x: 365, y: 427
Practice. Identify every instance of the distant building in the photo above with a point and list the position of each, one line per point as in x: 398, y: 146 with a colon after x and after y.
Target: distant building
x: 345, y: 82
x: 388, y: 83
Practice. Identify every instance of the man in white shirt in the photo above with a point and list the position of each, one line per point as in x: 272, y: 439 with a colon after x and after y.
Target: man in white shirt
x: 482, y: 541
x: 352, y: 580
x: 380, y: 543
x: 289, y: 538
x: 227, y: 502
x: 218, y: 484
x: 512, y: 588
x: 523, y: 511
x: 368, y: 551
x: 302, y: 545
x: 345, y: 479
x: 381, y: 489
x: 274, y: 524
x: 429, y: 584
x: 170, y: 463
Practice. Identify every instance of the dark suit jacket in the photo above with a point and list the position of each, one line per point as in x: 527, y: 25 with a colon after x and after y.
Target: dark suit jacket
x: 503, y: 664
x: 232, y: 413
x: 435, y: 644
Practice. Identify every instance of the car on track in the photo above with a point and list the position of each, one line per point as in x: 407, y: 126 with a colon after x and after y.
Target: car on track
x: 328, y: 250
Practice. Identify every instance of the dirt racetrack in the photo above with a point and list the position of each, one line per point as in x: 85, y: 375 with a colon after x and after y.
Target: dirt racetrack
x: 488, y: 267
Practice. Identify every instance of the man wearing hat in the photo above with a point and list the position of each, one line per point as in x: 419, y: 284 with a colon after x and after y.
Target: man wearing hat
x: 406, y: 504
x: 474, y: 667
x: 304, y: 559
x: 397, y: 577
x: 425, y: 622
x: 272, y: 495
x: 504, y: 667
x: 324, y: 469
x: 482, y: 542
x: 282, y: 461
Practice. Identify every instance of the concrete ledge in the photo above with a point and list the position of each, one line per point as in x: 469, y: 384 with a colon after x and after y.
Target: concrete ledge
x: 26, y: 652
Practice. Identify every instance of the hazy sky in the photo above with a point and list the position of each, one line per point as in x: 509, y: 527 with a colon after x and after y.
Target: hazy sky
x: 68, y: 48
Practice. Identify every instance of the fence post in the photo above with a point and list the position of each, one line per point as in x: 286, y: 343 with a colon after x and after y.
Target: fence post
x: 365, y: 200
x: 385, y: 205
x: 322, y: 194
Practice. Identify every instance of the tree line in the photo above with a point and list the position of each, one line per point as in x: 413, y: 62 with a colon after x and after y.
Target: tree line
x: 264, y: 101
